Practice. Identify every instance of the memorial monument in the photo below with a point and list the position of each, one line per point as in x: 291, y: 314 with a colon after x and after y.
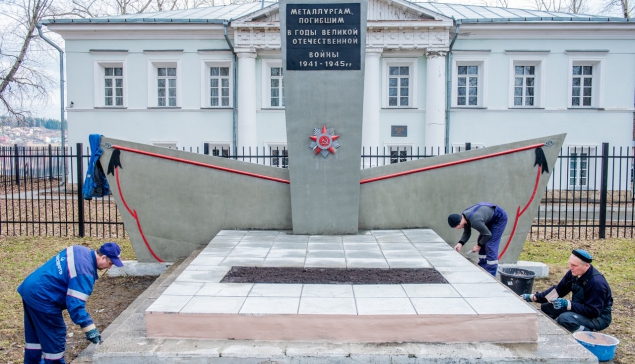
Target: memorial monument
x: 324, y: 212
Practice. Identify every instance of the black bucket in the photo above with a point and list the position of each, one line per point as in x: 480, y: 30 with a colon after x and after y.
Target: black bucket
x: 518, y: 280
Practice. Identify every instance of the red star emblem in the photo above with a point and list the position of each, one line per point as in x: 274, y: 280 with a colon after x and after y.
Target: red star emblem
x: 324, y: 141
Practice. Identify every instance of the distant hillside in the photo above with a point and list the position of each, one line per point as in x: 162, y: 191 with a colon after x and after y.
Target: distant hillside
x: 40, y: 122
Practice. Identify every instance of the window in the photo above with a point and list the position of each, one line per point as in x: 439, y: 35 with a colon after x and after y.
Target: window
x: 219, y: 150
x: 467, y: 86
x: 399, y: 83
x: 527, y: 75
x: 164, y: 84
x: 398, y: 153
x: 579, y: 165
x: 582, y: 86
x: 113, y: 86
x: 273, y: 84
x: 110, y: 85
x: 217, y: 84
x: 585, y: 82
x: 277, y: 87
x: 524, y: 85
x: 279, y: 155
x: 469, y: 78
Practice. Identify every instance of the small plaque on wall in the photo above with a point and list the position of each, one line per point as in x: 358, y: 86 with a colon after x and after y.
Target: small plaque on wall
x: 399, y: 130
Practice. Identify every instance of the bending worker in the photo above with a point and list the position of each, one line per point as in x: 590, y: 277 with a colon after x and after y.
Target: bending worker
x: 64, y: 282
x: 590, y: 306
x: 490, y: 221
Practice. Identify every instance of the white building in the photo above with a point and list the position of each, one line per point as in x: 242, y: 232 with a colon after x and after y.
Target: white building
x: 168, y: 78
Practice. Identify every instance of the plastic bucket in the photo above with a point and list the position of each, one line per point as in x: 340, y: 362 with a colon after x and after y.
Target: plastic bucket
x: 519, y: 280
x: 601, y: 345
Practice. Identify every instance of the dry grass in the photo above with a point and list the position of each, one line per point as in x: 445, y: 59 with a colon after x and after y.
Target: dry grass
x: 615, y: 258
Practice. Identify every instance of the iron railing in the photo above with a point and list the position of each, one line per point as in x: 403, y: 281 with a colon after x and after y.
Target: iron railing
x: 589, y: 196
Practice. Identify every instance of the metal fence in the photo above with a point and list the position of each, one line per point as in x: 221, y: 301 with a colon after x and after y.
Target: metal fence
x: 589, y: 195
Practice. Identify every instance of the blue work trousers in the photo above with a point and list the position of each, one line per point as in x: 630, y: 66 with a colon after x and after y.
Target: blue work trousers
x: 496, y: 225
x: 45, y: 336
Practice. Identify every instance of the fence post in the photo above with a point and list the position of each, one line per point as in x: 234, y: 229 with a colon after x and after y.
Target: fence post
x: 80, y: 187
x: 468, y: 146
x: 50, y: 163
x: 17, y: 164
x: 604, y: 189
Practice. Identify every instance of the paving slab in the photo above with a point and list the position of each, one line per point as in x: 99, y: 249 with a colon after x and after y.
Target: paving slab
x: 126, y: 339
x: 394, y: 315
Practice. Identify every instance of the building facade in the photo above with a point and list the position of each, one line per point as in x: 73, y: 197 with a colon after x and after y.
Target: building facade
x: 436, y: 76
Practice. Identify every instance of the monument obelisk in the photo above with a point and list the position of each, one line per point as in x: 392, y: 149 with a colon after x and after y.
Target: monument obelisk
x: 323, y: 51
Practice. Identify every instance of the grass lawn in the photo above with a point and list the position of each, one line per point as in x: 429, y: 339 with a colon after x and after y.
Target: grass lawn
x: 615, y: 258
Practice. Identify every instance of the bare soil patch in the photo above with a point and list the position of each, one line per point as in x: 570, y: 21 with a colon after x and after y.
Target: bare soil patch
x: 332, y: 275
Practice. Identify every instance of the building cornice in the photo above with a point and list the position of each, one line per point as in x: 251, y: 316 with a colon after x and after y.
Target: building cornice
x: 548, y: 30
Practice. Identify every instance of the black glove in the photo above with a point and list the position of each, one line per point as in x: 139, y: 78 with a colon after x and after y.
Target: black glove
x: 93, y: 336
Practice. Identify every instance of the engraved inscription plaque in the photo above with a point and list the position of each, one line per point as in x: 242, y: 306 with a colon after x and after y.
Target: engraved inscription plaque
x: 323, y: 37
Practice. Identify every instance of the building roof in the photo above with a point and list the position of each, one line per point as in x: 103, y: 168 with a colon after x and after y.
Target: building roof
x: 212, y: 14
x: 461, y: 13
x: 476, y: 14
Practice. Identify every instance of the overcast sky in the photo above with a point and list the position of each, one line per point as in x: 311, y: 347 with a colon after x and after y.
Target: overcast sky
x: 52, y: 110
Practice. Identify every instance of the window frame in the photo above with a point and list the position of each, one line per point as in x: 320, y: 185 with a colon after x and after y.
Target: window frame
x: 408, y: 147
x: 597, y: 89
x: 220, y: 145
x: 100, y: 83
x: 206, y: 65
x: 540, y: 62
x: 267, y: 65
x: 412, y: 84
x: 153, y: 65
x: 277, y: 146
x: 590, y: 170
x: 482, y: 63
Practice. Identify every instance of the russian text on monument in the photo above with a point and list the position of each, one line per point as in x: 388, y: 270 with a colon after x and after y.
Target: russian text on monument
x: 323, y: 37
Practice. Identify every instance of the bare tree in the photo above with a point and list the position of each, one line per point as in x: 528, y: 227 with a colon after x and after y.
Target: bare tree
x: 626, y: 7
x: 496, y: 3
x: 24, y: 80
x: 562, y: 6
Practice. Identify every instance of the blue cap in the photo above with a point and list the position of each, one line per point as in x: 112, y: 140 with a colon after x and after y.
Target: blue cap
x: 454, y: 220
x: 112, y: 251
x: 583, y: 255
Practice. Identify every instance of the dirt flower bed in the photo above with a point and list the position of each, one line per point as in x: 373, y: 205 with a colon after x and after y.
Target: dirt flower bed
x: 332, y: 275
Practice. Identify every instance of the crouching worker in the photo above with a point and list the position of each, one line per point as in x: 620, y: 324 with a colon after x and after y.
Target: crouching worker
x: 64, y: 282
x: 590, y: 306
x: 490, y: 221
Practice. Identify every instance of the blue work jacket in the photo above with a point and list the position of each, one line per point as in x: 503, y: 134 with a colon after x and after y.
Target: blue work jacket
x: 64, y: 282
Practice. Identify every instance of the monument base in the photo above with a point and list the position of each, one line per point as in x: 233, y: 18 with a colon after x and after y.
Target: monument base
x: 126, y: 341
x: 197, y: 306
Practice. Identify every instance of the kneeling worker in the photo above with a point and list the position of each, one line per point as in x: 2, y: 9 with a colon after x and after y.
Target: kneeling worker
x: 591, y: 302
x: 64, y: 282
x: 490, y: 221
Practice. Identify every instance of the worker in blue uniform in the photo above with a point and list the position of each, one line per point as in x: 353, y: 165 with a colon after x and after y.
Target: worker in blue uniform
x: 490, y: 221
x: 64, y: 282
x: 591, y: 300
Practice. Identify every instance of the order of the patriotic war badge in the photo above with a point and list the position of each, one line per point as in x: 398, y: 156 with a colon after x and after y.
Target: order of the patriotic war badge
x: 324, y: 141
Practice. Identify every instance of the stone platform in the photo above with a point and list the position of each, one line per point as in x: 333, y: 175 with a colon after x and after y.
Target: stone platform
x: 197, y: 306
x: 126, y: 341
